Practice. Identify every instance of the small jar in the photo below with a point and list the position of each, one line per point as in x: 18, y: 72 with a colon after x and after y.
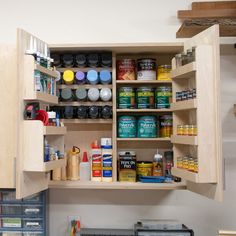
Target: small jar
x: 180, y: 130
x: 178, y: 96
x: 178, y: 60
x: 195, y: 165
x: 184, y: 58
x: 191, y: 164
x: 186, y: 130
x: 194, y: 130
x: 185, y: 163
x: 184, y: 95
x: 179, y: 162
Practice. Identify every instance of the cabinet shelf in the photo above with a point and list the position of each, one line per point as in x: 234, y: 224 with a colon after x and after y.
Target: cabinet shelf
x: 185, y: 174
x: 184, y: 105
x: 144, y: 139
x: 86, y: 121
x: 184, y: 139
x: 116, y: 185
x: 86, y: 86
x: 53, y: 130
x: 137, y: 82
x: 45, y: 71
x: 85, y: 103
x: 52, y: 165
x: 42, y: 97
x: 184, y: 72
x: 84, y: 69
x: 143, y: 110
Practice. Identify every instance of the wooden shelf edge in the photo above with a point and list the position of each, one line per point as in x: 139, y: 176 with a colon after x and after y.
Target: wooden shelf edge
x: 184, y: 105
x: 185, y: 174
x: 116, y: 185
x: 185, y: 71
x: 144, y: 81
x: 54, y: 130
x: 84, y: 69
x: 84, y: 103
x: 43, y: 97
x: 145, y: 139
x: 86, y: 86
x: 143, y: 110
x: 182, y: 139
x: 46, y: 71
x: 87, y: 121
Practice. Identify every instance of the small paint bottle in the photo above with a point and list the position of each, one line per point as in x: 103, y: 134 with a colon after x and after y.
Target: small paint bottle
x: 80, y: 77
x: 105, y: 77
x: 93, y: 94
x: 92, y: 77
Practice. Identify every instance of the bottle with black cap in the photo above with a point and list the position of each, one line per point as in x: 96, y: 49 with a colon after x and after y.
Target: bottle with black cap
x: 106, y: 59
x: 80, y: 60
x: 93, y: 60
x: 106, y: 112
x: 68, y: 60
x: 69, y: 112
x: 93, y: 112
x: 82, y: 112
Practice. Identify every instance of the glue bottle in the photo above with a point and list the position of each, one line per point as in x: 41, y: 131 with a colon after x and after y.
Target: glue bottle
x: 96, y: 162
x: 84, y: 168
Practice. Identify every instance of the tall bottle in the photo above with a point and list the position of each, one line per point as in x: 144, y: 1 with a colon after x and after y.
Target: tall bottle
x: 96, y: 162
x: 106, y: 146
x: 84, y: 168
x: 73, y: 164
x: 158, y: 165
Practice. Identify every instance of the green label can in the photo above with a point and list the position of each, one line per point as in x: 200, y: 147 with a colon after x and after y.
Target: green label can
x: 126, y: 98
x: 145, y: 97
x: 163, y: 97
x: 147, y: 127
x: 127, y: 127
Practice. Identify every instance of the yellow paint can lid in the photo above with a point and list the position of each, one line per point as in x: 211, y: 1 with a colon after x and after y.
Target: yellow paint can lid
x: 68, y: 76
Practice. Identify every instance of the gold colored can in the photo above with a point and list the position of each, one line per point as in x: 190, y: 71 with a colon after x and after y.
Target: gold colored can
x: 185, y: 163
x: 180, y: 130
x: 191, y: 164
x: 179, y: 162
x: 185, y: 129
x: 194, y: 130
x: 163, y: 72
x: 144, y: 169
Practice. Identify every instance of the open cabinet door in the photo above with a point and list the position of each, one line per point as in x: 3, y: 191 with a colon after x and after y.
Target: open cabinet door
x: 27, y: 183
x: 203, y: 74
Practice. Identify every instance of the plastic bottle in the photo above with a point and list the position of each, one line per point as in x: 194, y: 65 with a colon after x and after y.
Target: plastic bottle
x: 106, y: 159
x: 158, y: 165
x: 84, y: 168
x: 96, y: 162
x: 46, y: 151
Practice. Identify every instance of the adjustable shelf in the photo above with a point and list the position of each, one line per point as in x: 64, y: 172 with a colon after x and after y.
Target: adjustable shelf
x: 184, y: 105
x: 184, y: 139
x: 184, y: 72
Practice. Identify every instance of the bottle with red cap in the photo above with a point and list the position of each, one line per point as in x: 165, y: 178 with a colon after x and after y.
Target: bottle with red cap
x: 84, y: 168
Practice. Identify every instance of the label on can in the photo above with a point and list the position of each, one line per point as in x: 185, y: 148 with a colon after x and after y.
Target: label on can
x: 165, y: 126
x: 127, y: 127
x: 126, y: 98
x: 147, y: 127
x: 145, y: 98
x: 163, y: 97
x: 144, y: 169
x: 107, y: 165
x: 126, y: 69
x: 146, y: 69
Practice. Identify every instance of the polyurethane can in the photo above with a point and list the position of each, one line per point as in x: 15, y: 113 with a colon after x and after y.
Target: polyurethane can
x: 147, y: 127
x: 146, y: 69
x: 126, y: 127
x: 126, y: 69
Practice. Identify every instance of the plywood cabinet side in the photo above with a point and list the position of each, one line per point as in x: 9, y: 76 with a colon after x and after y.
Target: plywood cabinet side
x: 8, y: 111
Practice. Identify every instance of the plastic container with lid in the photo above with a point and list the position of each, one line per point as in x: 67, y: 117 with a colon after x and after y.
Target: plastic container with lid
x: 107, y: 152
x: 92, y: 77
x: 80, y: 77
x: 105, y: 76
x: 68, y: 77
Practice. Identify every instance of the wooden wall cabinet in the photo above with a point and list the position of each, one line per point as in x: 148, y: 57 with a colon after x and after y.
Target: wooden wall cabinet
x: 204, y: 110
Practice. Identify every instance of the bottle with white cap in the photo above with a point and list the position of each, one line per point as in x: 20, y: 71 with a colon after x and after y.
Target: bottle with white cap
x: 106, y: 146
x: 158, y: 165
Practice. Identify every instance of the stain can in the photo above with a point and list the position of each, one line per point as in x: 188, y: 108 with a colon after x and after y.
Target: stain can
x: 126, y: 127
x: 165, y: 126
x: 127, y: 166
x: 146, y: 69
x: 144, y: 169
x: 126, y: 98
x: 163, y: 97
x: 163, y: 72
x: 126, y: 69
x: 145, y: 98
x: 147, y: 127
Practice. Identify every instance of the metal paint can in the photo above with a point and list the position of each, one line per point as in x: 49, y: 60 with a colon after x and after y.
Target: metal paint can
x: 144, y: 169
x: 163, y: 97
x: 145, y: 98
x: 147, y: 127
x: 126, y: 98
x: 126, y: 69
x: 127, y: 127
x: 146, y: 69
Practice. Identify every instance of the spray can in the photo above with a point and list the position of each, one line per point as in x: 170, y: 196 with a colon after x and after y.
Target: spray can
x: 106, y: 159
x: 96, y: 162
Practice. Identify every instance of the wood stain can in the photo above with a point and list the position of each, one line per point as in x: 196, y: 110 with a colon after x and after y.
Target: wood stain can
x: 126, y: 69
x: 146, y: 69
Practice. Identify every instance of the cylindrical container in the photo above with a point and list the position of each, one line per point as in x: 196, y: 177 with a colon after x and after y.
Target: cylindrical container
x: 191, y: 164
x: 82, y: 112
x: 68, y: 60
x: 56, y: 174
x: 186, y: 130
x: 144, y: 169
x: 96, y: 162
x: 166, y: 126
x: 69, y: 112
x: 146, y: 69
x: 80, y: 77
x: 68, y: 77
x: 81, y: 94
x: 106, y: 112
x: 163, y: 97
x: 180, y: 130
x: 126, y: 69
x: 185, y: 162
x: 127, y: 127
x: 73, y: 164
x: 126, y: 98
x: 58, y: 79
x: 106, y: 145
x: 145, y: 98
x: 105, y: 94
x: 127, y: 166
x: 179, y: 162
x: 163, y: 72
x: 56, y: 59
x: 66, y: 94
x: 106, y: 59
x: 93, y: 112
x: 105, y: 76
x: 93, y: 59
x: 92, y: 77
x: 84, y: 168
x: 147, y: 127
x: 93, y: 94
x: 80, y: 60
x: 168, y: 163
x: 195, y: 165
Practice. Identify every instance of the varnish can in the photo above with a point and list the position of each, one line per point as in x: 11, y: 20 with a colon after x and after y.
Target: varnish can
x: 144, y: 169
x: 147, y: 127
x: 126, y: 98
x: 145, y: 98
x: 166, y: 126
x: 127, y: 127
x: 126, y: 69
x: 127, y: 166
x: 146, y: 69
